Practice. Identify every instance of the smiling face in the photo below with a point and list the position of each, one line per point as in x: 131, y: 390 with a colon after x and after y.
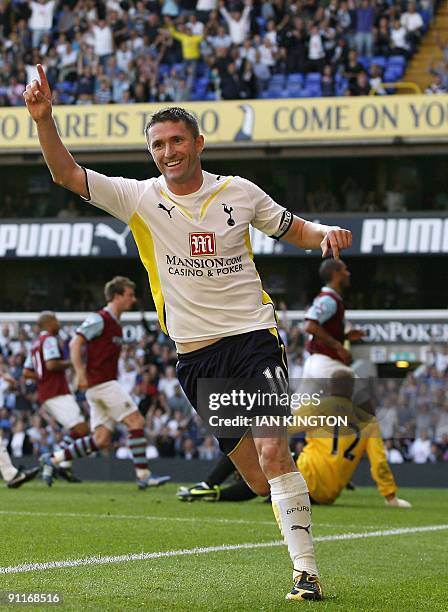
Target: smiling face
x: 176, y: 152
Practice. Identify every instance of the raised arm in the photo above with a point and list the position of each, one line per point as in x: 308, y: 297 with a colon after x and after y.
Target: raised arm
x: 64, y: 170
x: 308, y: 235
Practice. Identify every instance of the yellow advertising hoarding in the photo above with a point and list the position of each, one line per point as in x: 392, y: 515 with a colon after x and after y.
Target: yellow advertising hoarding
x: 257, y: 122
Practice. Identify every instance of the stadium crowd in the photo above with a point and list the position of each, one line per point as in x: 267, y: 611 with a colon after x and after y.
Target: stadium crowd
x: 412, y: 412
x: 102, y: 52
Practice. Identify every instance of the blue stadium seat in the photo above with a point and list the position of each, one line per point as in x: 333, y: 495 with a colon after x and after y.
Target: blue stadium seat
x: 313, y: 77
x: 305, y: 93
x: 379, y: 60
x: 294, y: 91
x: 396, y: 60
x: 210, y: 96
x: 275, y: 91
x: 164, y: 69
x: 295, y: 78
x: 277, y: 80
x: 179, y: 68
x: 201, y: 84
x: 261, y: 23
x: 426, y: 16
x: 315, y: 91
x: 365, y: 62
x: 391, y: 76
x: 341, y: 84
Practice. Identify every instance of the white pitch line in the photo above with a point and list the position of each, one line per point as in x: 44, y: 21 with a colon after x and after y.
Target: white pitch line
x: 149, y: 517
x: 99, y: 560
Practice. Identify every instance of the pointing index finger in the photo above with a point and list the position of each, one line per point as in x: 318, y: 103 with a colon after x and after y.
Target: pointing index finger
x: 43, y: 78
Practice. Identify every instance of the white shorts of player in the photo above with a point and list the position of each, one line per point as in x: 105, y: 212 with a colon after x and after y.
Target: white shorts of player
x: 65, y: 410
x: 323, y: 367
x: 109, y: 403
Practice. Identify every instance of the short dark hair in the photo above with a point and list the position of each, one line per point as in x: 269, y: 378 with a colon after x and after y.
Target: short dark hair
x: 176, y: 114
x: 329, y: 266
x: 117, y: 286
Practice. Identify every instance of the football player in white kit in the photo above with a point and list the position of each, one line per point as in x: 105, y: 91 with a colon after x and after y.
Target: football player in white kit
x: 192, y: 231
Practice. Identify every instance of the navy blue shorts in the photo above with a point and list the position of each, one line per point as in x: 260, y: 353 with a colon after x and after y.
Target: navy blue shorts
x: 246, y: 356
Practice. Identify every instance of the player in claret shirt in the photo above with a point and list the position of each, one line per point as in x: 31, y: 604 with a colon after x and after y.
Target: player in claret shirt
x: 192, y: 231
x: 47, y: 367
x: 95, y: 351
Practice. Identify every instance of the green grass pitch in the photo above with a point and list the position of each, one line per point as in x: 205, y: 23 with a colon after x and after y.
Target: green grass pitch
x: 385, y: 573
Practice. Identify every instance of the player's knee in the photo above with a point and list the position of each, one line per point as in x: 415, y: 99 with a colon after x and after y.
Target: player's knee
x: 273, y: 458
x: 102, y: 438
x: 270, y: 455
x: 81, y: 429
x: 135, y: 421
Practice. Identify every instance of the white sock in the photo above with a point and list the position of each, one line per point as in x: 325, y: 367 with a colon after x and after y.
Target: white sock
x: 58, y: 457
x: 292, y: 510
x: 142, y: 473
x: 7, y: 470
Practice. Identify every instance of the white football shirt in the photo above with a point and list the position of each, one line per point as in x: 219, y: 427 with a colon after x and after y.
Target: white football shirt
x: 197, y: 251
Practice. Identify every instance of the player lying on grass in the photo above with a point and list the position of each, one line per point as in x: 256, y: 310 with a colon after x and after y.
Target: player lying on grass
x: 192, y: 231
x: 95, y: 351
x: 47, y: 367
x: 328, y: 460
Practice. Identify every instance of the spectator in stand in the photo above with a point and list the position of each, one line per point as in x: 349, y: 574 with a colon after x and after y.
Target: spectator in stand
x: 393, y: 455
x: 316, y: 52
x: 85, y: 83
x: 65, y: 21
x: 168, y: 383
x: 178, y: 401
x: 103, y: 94
x: 420, y: 449
x: 294, y: 43
x: 376, y: 79
x: 248, y: 80
x: 188, y: 450
x: 190, y: 42
x: 303, y: 37
x: 344, y: 19
x: 237, y: 22
x: 365, y: 19
x: 230, y: 84
x: 352, y: 68
x: 382, y: 40
x: 68, y: 63
x: 41, y: 19
x: 209, y: 449
x: 268, y: 54
x: 362, y: 86
x: 204, y: 8
x: 120, y: 86
x: 412, y: 22
x: 437, y: 87
x: 399, y: 39
x: 221, y: 40
x: 327, y: 82
x: 102, y: 40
